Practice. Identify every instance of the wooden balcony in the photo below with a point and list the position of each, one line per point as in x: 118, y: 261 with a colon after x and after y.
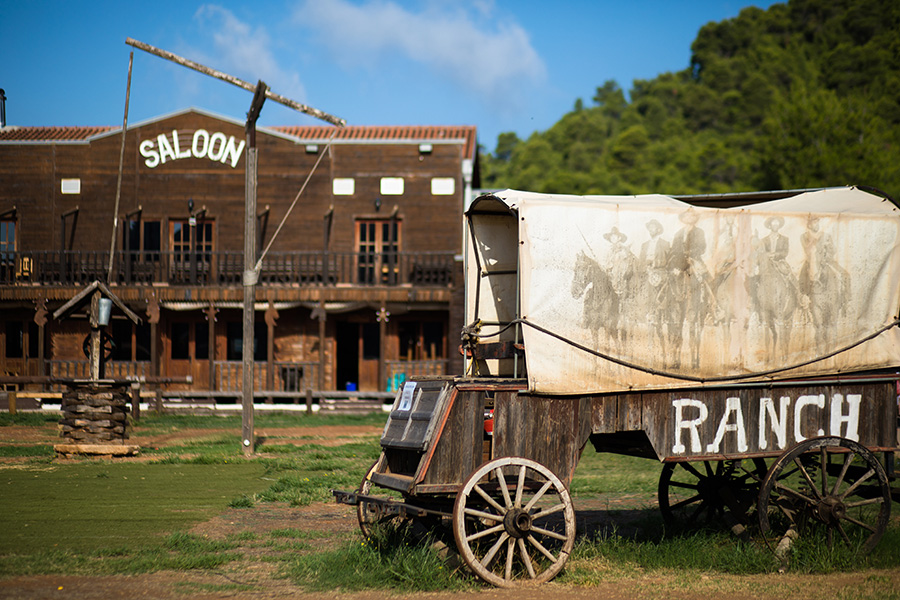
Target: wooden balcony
x: 67, y: 268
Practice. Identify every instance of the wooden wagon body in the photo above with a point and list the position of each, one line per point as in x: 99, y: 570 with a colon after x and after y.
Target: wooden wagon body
x: 792, y: 440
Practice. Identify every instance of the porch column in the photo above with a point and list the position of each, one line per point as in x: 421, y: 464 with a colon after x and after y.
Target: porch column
x: 40, y: 319
x: 318, y: 313
x: 271, y: 316
x: 211, y: 319
x: 153, y: 319
x: 382, y: 316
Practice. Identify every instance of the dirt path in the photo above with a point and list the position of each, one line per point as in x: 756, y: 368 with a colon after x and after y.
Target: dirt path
x: 254, y: 577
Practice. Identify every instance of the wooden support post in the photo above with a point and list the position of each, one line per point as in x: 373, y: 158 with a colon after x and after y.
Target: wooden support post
x: 136, y: 400
x: 96, y: 359
x: 11, y: 398
x: 309, y: 403
x: 159, y: 401
x: 211, y: 344
x: 271, y: 316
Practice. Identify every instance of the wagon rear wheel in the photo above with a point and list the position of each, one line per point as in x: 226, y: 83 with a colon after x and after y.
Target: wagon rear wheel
x: 828, y: 486
x: 709, y: 493
x: 368, y: 514
x: 514, y: 522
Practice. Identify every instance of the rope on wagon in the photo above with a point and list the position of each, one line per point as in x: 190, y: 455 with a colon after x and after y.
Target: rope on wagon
x: 470, y: 332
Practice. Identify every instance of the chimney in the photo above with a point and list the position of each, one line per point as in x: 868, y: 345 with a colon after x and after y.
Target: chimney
x: 2, y: 107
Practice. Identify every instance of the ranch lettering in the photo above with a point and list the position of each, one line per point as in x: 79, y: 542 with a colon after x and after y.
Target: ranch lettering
x: 216, y: 147
x: 780, y: 422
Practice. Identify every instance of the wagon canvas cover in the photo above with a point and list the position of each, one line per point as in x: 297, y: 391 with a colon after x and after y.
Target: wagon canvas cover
x: 629, y: 292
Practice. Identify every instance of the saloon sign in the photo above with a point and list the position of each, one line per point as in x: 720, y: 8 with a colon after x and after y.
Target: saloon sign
x: 216, y: 147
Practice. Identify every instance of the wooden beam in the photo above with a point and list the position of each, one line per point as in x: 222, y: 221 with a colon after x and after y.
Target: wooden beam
x: 184, y: 62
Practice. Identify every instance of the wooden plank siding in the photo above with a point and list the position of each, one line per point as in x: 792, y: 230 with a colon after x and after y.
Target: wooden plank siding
x: 693, y: 424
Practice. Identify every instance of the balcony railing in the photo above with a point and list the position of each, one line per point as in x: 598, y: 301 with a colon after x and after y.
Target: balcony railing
x: 226, y: 268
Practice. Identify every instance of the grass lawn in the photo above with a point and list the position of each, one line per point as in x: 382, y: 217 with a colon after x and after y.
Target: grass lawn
x: 91, y: 505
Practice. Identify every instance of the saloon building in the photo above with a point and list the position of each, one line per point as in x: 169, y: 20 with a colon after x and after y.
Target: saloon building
x: 360, y: 289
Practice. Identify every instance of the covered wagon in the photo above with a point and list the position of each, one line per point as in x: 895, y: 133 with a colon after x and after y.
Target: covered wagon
x: 750, y: 342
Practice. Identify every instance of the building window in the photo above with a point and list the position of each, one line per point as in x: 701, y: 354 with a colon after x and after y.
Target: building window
x: 15, y: 339
x: 343, y: 186
x: 201, y: 340
x: 7, y: 250
x: 182, y: 341
x: 132, y: 342
x: 143, y: 240
x: 191, y: 244
x: 70, y: 186
x: 391, y: 186
x: 378, y: 247
x: 443, y: 186
x: 234, y: 332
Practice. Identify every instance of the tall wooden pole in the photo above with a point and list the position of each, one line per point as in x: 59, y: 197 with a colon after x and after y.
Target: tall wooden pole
x: 250, y: 273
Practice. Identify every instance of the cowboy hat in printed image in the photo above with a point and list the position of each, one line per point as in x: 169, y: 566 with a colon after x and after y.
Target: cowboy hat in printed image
x: 615, y: 236
x: 774, y: 223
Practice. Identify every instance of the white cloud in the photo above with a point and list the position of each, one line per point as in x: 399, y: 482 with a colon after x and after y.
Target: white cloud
x: 464, y: 44
x: 245, y: 52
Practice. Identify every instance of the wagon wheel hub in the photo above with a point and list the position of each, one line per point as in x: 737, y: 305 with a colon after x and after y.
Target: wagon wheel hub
x: 831, y: 510
x: 517, y: 523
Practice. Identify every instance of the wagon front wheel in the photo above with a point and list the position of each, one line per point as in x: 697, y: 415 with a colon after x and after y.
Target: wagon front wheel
x: 368, y: 514
x: 514, y: 522
x: 829, y: 485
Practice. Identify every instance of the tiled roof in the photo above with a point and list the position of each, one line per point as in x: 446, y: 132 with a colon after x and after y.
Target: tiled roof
x: 47, y: 134
x: 318, y: 134
x: 422, y: 133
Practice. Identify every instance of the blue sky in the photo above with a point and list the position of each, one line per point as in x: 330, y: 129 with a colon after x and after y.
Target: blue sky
x: 501, y: 65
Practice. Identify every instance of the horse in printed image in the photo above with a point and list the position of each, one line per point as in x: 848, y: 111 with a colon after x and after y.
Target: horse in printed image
x: 601, y: 303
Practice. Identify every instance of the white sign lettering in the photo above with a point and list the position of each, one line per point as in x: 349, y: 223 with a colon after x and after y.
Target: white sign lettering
x: 840, y: 415
x: 216, y: 147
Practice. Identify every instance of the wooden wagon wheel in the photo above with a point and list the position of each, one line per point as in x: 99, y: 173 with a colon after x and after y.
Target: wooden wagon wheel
x: 514, y: 522
x: 107, y: 346
x: 711, y: 493
x: 369, y: 514
x: 827, y: 483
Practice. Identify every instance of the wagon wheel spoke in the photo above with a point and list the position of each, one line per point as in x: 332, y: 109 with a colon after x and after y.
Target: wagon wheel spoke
x: 823, y: 463
x: 540, y: 494
x: 488, y: 499
x: 843, y: 533
x: 858, y: 523
x: 485, y: 533
x: 548, y: 533
x: 686, y: 501
x: 526, y: 558
x: 540, y: 547
x: 483, y: 515
x: 490, y: 554
x: 857, y: 483
x: 501, y: 479
x: 510, y: 557
x: 684, y: 485
x: 781, y: 487
x: 848, y: 458
x: 807, y: 477
x: 864, y: 502
x: 709, y: 470
x: 520, y: 487
x: 548, y: 511
x: 690, y: 469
